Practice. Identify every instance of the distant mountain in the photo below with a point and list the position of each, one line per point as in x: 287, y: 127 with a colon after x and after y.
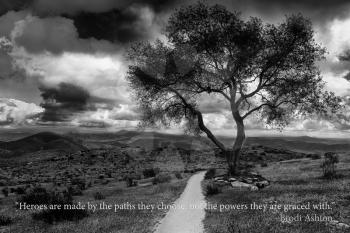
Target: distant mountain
x: 42, y: 141
x: 302, y: 144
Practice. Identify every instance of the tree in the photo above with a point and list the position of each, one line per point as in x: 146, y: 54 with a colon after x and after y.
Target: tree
x: 265, y: 69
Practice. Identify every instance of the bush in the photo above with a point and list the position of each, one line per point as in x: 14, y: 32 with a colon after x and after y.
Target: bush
x: 51, y: 216
x: 40, y: 196
x: 130, y: 182
x: 162, y: 178
x: 151, y: 172
x: 5, y: 191
x: 314, y: 156
x: 212, y: 189
x: 99, y: 196
x: 329, y: 165
x: 178, y: 175
x: 37, y: 196
x: 79, y: 182
x: 210, y: 174
x: 75, y: 190
x: 5, y: 220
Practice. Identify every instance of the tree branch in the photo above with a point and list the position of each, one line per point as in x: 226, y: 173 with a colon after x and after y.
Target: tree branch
x: 201, y: 124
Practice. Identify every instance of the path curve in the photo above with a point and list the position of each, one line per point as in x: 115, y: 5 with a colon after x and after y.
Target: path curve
x: 186, y: 219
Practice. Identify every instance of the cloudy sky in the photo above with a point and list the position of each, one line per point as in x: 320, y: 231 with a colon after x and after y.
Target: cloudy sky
x: 62, y: 61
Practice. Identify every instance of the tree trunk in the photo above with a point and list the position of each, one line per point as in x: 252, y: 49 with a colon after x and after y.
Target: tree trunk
x: 234, y: 154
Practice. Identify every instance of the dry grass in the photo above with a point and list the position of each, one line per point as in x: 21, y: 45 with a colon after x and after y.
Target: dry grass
x: 292, y: 183
x: 103, y: 221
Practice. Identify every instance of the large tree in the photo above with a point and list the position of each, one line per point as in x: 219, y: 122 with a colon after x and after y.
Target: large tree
x: 257, y: 68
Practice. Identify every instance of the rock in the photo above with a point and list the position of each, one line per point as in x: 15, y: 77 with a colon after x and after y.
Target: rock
x: 243, y: 186
x: 232, y: 179
x: 248, y: 180
x: 262, y: 184
x: 254, y: 188
x: 219, y: 178
x: 334, y: 222
x: 343, y: 226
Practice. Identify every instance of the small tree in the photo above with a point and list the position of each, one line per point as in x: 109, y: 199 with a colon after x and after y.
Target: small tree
x: 255, y: 67
x: 329, y: 165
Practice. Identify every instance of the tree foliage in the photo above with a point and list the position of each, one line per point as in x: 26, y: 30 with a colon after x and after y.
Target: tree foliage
x: 256, y: 67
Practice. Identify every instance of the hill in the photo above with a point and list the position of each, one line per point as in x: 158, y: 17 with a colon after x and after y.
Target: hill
x: 149, y: 140
x: 42, y: 141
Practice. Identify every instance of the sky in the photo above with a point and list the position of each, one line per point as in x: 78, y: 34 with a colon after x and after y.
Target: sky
x: 62, y: 62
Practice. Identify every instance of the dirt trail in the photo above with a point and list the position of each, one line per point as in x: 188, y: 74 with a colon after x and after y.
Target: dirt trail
x: 186, y: 219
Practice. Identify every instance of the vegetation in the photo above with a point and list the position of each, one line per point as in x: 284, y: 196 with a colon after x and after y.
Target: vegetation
x: 162, y: 178
x: 293, y: 183
x: 99, y: 196
x: 178, y: 175
x: 210, y: 174
x: 41, y: 196
x: 151, y: 172
x: 5, y: 220
x: 5, y: 191
x: 254, y: 67
x: 212, y: 189
x: 329, y: 165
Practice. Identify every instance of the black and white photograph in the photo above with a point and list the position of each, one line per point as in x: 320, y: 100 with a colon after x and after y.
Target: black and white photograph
x: 174, y: 116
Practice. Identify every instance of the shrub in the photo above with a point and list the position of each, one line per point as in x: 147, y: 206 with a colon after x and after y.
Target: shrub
x: 75, y: 190
x: 40, y: 196
x: 212, y: 189
x: 150, y: 172
x: 210, y: 174
x: 79, y: 182
x: 99, y: 196
x: 51, y: 216
x: 178, y: 175
x: 37, y: 196
x: 130, y: 182
x: 5, y: 191
x: 5, y: 220
x: 314, y: 156
x: 162, y: 178
x: 329, y: 165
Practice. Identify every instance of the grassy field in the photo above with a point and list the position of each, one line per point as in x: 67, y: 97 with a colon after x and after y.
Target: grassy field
x: 102, y: 221
x: 295, y: 182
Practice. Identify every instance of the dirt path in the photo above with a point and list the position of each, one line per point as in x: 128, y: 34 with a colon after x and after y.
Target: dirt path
x: 186, y: 219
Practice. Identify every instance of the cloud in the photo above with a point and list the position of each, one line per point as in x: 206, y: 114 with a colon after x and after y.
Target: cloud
x: 101, y: 75
x: 212, y: 104
x: 57, y: 7
x: 273, y: 10
x: 118, y: 116
x: 55, y: 35
x: 16, y: 112
x: 64, y: 102
x: 61, y: 103
x: 14, y: 5
x: 119, y: 25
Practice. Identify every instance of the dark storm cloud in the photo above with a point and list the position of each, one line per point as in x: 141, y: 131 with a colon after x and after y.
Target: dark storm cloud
x: 118, y: 21
x: 62, y: 103
x: 118, y: 24
x: 347, y: 76
x: 345, y: 56
x: 115, y: 26
x: 318, y: 11
x: 14, y: 5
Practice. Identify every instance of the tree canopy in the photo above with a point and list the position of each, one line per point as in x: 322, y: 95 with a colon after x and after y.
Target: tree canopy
x: 256, y: 67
